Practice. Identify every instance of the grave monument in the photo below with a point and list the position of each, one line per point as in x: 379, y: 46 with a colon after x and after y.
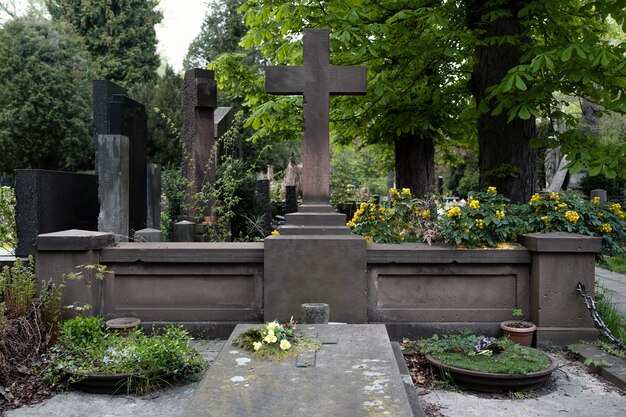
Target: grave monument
x: 316, y: 259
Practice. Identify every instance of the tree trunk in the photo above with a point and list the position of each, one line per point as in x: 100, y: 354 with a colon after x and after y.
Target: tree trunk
x: 415, y: 164
x: 505, y: 158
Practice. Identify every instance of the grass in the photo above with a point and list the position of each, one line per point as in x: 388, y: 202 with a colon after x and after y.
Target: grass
x: 615, y: 321
x: 618, y: 263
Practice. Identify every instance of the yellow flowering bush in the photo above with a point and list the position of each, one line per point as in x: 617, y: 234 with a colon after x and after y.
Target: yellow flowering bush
x: 484, y: 221
x: 399, y: 219
x: 568, y: 212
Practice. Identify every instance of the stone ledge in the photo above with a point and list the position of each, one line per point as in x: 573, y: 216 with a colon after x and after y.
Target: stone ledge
x: 74, y: 240
x: 614, y: 373
x: 411, y: 253
x: 561, y: 242
x: 184, y: 252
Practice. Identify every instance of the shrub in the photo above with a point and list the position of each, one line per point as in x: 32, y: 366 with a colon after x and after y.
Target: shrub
x: 8, y: 229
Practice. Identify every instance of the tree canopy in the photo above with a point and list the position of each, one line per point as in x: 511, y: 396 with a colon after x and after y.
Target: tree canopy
x: 45, y: 97
x: 119, y: 34
x: 432, y: 64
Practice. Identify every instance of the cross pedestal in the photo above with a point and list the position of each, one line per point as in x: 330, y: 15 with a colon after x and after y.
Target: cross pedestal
x: 316, y: 80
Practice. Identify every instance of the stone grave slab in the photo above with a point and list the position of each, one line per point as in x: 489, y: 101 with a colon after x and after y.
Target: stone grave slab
x: 353, y: 374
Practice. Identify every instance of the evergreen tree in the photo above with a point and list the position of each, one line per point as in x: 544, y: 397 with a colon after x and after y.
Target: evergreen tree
x: 45, y: 97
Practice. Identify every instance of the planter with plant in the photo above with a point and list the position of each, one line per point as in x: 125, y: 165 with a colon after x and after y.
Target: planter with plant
x: 484, y: 364
x: 96, y: 359
x: 518, y: 330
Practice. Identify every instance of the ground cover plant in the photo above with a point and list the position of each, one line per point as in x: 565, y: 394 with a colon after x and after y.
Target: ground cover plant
x: 478, y: 353
x: 86, y: 347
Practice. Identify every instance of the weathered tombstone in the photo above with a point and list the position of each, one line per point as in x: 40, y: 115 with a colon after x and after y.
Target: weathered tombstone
x: 316, y: 80
x: 599, y: 193
x: 113, y: 168
x: 153, y: 184
x: 264, y: 203
x: 199, y: 100
x: 291, y: 199
x: 51, y: 201
x: 316, y: 257
x: 314, y: 313
x: 354, y: 373
x: 147, y: 235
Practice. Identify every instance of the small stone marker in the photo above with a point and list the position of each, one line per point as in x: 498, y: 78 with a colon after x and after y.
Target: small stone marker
x: 358, y: 376
x: 599, y: 193
x: 316, y: 79
x: 184, y: 231
x: 148, y: 235
x: 314, y: 313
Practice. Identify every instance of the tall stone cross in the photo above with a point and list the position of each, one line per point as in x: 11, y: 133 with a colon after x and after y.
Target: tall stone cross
x: 316, y: 79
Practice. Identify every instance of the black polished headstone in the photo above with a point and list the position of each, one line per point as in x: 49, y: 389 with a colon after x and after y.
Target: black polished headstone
x: 264, y: 204
x: 291, y: 199
x: 51, y: 201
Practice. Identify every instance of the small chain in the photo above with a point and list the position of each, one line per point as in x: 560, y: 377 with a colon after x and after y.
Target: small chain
x: 591, y: 306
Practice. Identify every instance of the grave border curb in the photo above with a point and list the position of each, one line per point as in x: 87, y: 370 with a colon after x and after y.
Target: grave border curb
x: 615, y: 372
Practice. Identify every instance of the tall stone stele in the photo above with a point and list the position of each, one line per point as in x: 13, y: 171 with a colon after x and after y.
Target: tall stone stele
x: 316, y: 259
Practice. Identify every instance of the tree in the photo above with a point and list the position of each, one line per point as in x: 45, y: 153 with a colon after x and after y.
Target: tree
x: 119, y: 34
x: 221, y: 31
x: 165, y: 116
x: 417, y: 95
x: 45, y: 100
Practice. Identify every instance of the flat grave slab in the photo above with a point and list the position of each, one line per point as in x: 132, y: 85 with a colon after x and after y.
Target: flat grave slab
x: 353, y: 374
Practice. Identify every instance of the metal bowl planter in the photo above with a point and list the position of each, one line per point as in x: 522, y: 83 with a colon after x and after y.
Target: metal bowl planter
x: 520, y: 335
x: 491, y: 382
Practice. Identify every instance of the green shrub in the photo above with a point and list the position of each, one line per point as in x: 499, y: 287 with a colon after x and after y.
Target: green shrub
x: 8, y: 229
x: 17, y: 284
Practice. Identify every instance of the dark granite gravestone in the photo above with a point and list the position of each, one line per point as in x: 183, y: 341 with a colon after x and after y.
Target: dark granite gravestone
x: 354, y: 374
x: 264, y: 204
x: 199, y: 100
x: 316, y: 80
x: 103, y: 91
x: 291, y: 199
x: 51, y: 201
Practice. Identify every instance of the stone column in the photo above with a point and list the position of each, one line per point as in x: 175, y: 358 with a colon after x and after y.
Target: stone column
x: 560, y: 261
x: 113, y: 188
x: 153, y: 214
x: 59, y: 253
x: 264, y: 203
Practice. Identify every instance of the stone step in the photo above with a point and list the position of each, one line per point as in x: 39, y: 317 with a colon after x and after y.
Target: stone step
x: 314, y: 230
x: 355, y: 374
x: 315, y: 219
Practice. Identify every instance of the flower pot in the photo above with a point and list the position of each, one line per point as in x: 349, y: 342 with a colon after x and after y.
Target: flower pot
x: 520, y: 335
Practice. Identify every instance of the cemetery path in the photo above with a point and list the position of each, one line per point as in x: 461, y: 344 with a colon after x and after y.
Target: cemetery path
x: 616, y: 284
x: 575, y: 392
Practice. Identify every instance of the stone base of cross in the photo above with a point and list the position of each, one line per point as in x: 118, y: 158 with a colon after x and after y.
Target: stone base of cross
x: 316, y: 80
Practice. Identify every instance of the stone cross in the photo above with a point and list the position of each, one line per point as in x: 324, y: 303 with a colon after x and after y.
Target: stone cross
x: 199, y: 100
x: 316, y: 79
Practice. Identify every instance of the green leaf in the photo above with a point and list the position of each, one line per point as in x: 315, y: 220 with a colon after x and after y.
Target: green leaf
x: 594, y: 170
x: 519, y: 83
x: 524, y: 113
x: 567, y: 53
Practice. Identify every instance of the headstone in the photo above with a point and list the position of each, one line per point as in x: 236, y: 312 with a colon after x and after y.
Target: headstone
x: 51, y: 201
x: 113, y: 168
x: 291, y: 199
x: 148, y: 235
x: 599, y: 193
x: 355, y: 374
x: 153, y: 184
x: 316, y: 80
x: 199, y: 100
x: 559, y: 177
x: 103, y: 91
x: 264, y: 203
x: 128, y: 118
x: 184, y: 231
x: 222, y: 119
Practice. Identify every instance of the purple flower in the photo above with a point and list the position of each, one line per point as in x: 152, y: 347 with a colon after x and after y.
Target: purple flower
x: 482, y: 344
x: 106, y: 359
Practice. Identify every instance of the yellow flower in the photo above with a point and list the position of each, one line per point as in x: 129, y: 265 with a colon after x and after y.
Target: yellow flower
x: 275, y: 232
x: 536, y: 197
x: 284, y: 344
x: 257, y: 345
x: 351, y: 224
x: 474, y: 204
x: 382, y: 209
x: 545, y: 219
x: 424, y: 214
x: 454, y: 211
x: 480, y: 223
x: 500, y: 214
x: 406, y: 192
x: 271, y: 337
x: 368, y: 239
x: 572, y: 216
x: 272, y: 325
x: 600, y: 214
x: 393, y: 192
x: 492, y: 190
x: 606, y: 228
x: 615, y: 207
x: 554, y: 196
x: 595, y: 201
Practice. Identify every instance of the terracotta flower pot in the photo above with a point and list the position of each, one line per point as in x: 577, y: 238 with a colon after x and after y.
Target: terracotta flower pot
x: 520, y: 335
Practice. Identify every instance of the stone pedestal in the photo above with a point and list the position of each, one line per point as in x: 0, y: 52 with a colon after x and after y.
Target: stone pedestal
x: 59, y: 253
x: 315, y: 219
x: 184, y: 231
x: 148, y: 235
x: 315, y: 269
x: 560, y: 261
x: 113, y: 169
